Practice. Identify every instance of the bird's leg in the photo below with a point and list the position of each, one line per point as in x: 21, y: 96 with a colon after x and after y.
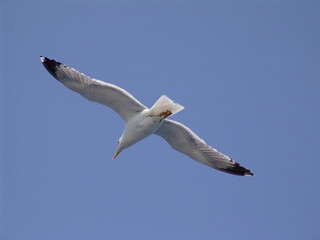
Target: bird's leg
x: 165, y: 114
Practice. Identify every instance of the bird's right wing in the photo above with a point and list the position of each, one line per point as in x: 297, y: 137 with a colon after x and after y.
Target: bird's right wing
x: 95, y: 90
x: 184, y: 140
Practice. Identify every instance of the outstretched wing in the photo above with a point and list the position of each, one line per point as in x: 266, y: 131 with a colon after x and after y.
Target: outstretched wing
x: 184, y: 140
x: 95, y: 90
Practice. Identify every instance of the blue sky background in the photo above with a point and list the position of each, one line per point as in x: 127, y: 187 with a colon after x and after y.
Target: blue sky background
x: 247, y: 73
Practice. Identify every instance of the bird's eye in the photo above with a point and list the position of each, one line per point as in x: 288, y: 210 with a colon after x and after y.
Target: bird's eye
x: 118, y: 142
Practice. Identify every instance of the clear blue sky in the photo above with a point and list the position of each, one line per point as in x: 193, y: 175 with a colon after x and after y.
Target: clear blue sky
x: 248, y: 74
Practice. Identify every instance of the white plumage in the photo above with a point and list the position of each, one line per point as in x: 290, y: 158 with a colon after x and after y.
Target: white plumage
x: 142, y: 121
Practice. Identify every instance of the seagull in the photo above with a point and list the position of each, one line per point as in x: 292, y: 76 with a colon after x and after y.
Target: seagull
x: 141, y: 121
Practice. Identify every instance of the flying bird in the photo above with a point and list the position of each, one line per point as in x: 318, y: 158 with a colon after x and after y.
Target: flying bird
x: 141, y: 121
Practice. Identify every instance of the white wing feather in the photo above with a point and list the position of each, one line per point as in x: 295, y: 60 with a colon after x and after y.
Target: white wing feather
x: 95, y: 90
x: 184, y: 140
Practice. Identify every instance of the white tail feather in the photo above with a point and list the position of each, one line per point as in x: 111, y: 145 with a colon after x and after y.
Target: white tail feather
x: 165, y: 104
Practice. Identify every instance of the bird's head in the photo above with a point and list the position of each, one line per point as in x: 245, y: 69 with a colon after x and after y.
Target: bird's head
x: 122, y: 144
x: 119, y: 148
x: 128, y: 138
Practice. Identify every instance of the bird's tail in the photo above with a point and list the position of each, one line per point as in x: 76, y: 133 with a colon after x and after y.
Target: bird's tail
x: 165, y: 107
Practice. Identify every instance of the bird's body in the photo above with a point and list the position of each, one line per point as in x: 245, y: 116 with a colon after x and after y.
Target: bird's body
x: 141, y: 126
x: 141, y: 121
x: 148, y: 121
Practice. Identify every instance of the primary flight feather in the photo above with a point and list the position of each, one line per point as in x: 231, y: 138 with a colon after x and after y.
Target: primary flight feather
x: 141, y: 121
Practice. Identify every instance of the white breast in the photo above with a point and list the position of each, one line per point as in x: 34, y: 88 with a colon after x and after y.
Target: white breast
x: 140, y: 127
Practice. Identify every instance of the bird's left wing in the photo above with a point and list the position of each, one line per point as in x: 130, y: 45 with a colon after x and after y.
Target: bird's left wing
x: 184, y: 140
x: 95, y: 90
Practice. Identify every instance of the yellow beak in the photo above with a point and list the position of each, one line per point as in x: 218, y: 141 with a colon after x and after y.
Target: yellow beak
x: 116, y: 154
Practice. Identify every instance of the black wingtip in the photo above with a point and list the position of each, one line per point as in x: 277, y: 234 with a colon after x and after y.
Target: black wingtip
x: 50, y: 64
x: 236, y: 169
